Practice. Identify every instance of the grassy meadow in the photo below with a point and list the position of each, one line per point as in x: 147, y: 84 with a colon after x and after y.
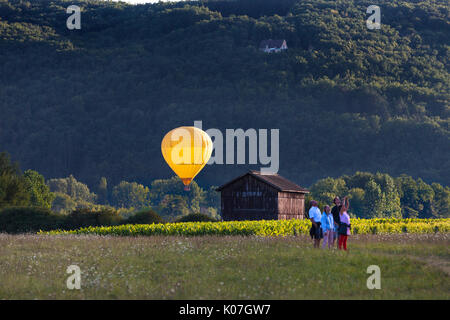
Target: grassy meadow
x: 413, y: 266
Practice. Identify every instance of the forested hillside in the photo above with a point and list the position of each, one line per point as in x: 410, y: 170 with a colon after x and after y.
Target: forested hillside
x: 96, y: 102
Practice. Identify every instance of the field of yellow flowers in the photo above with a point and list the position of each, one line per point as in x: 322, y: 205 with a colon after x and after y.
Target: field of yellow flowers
x: 264, y: 228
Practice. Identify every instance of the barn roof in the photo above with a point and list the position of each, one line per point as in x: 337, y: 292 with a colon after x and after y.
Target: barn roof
x: 276, y: 181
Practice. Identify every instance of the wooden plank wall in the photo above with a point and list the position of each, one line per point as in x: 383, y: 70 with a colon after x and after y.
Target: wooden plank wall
x: 291, y: 205
x: 249, y: 199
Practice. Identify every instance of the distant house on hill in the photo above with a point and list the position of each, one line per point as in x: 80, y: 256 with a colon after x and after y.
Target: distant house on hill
x: 273, y: 45
x: 256, y: 196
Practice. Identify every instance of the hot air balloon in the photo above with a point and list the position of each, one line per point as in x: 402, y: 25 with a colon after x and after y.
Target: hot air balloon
x: 186, y: 151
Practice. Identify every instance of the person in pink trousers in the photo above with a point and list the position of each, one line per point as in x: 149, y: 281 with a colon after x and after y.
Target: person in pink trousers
x: 344, y: 226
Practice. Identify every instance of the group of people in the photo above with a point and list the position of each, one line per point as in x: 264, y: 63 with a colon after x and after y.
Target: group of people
x: 331, y: 225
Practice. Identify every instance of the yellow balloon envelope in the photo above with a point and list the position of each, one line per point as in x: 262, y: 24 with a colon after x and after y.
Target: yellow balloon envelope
x: 186, y: 151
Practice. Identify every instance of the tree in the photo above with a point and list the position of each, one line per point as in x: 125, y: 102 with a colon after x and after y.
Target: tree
x: 441, y: 202
x: 409, y: 198
x: 173, y: 206
x: 358, y: 180
x: 63, y: 203
x: 6, y: 166
x: 357, y: 200
x: 195, y: 197
x: 103, y: 191
x: 380, y: 195
x: 325, y: 190
x: 373, y: 200
x: 425, y: 195
x: 40, y: 195
x: 363, y: 88
x: 211, y: 64
x: 13, y: 188
x: 131, y: 195
x: 213, y: 198
x: 390, y: 206
x: 73, y: 188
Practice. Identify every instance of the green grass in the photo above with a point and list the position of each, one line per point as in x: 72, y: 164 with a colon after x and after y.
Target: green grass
x: 210, y: 267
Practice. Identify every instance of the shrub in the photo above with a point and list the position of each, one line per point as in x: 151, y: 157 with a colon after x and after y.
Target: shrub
x: 82, y: 217
x: 146, y: 216
x: 85, y: 217
x: 196, y: 217
x: 29, y: 219
x: 108, y: 217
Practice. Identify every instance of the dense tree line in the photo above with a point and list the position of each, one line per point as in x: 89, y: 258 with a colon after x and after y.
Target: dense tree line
x: 96, y: 102
x: 165, y: 196
x: 382, y: 196
x: 22, y: 189
x: 67, y: 195
x: 372, y: 196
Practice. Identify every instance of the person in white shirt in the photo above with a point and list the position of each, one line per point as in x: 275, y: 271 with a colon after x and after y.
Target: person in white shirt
x: 315, y: 216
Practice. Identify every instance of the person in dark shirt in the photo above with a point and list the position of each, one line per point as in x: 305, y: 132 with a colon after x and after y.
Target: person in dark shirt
x: 335, y: 212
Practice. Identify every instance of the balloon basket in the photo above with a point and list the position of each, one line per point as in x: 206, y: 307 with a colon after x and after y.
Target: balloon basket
x: 187, y: 188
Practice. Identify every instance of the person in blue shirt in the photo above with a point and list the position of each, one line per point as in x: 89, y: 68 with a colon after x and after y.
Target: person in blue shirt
x: 327, y: 225
x: 314, y: 215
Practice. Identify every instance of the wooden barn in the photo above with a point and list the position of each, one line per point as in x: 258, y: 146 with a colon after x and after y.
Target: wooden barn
x: 256, y: 196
